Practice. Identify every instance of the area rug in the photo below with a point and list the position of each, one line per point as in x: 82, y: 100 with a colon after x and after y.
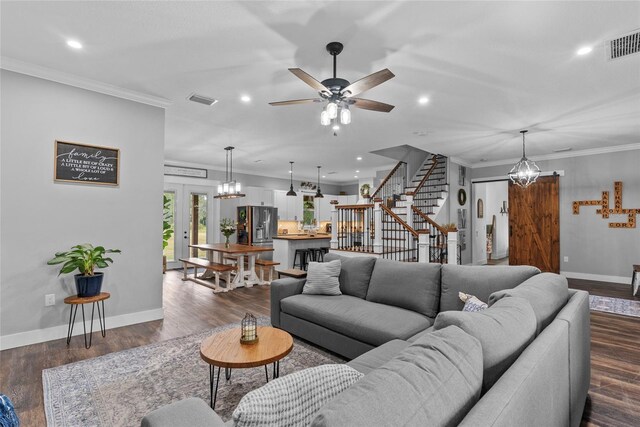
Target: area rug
x: 118, y: 389
x: 625, y: 307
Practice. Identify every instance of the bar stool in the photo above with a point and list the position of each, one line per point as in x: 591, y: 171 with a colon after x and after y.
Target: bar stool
x: 318, y: 254
x: 302, y: 255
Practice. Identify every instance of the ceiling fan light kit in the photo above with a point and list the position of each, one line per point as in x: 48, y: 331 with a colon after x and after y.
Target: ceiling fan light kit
x: 525, y: 172
x: 229, y: 189
x: 340, y: 93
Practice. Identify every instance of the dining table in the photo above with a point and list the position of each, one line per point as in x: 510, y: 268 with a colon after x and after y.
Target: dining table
x: 216, y: 252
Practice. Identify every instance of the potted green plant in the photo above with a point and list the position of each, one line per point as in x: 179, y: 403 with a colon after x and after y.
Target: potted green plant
x: 167, y: 228
x: 227, y: 227
x: 84, y: 258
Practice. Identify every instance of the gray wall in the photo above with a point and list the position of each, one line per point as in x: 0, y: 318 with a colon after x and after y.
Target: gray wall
x: 40, y: 217
x: 452, y: 206
x: 593, y: 247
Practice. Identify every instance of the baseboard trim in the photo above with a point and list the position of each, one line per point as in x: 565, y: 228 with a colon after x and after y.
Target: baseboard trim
x: 60, y: 331
x: 596, y: 277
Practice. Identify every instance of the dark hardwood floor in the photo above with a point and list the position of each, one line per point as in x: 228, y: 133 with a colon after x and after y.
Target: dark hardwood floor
x: 189, y: 308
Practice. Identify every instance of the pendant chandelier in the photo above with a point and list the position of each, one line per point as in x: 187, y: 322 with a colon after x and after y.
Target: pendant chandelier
x: 318, y: 193
x: 229, y: 189
x: 291, y: 192
x: 525, y: 172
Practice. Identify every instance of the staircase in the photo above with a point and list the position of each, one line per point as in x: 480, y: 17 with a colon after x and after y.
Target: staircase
x: 400, y: 224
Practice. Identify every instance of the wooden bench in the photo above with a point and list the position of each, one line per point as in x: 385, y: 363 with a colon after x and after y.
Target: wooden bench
x: 292, y: 272
x: 264, y: 264
x: 213, y: 267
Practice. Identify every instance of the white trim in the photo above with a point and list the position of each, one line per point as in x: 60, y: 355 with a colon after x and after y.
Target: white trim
x: 56, y: 332
x: 563, y: 155
x: 506, y: 178
x: 596, y: 277
x: 461, y: 162
x: 39, y: 71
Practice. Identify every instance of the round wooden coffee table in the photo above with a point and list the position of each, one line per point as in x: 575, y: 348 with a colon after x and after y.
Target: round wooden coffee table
x: 224, y: 350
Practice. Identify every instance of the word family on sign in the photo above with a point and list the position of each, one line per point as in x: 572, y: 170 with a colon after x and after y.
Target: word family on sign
x: 86, y: 163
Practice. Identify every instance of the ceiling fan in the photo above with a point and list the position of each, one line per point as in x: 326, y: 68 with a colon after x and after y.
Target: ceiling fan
x: 340, y: 93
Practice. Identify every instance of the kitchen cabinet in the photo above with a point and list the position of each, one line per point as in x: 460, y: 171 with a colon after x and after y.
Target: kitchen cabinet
x: 323, y: 207
x: 280, y: 202
x: 289, y: 207
x: 258, y: 196
x: 348, y: 200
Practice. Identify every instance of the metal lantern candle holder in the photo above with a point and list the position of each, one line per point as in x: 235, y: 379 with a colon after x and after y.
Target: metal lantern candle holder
x: 249, y: 329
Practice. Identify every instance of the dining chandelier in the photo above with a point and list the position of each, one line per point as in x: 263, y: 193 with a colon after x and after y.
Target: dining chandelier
x: 229, y: 189
x: 525, y: 172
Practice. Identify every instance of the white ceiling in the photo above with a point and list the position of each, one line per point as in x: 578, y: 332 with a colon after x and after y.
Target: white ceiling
x: 488, y: 68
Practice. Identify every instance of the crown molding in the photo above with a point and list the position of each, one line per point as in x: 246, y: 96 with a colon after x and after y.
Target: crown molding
x: 46, y: 73
x: 565, y: 155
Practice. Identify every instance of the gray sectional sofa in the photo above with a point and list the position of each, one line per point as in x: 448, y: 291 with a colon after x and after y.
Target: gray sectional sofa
x: 402, y: 326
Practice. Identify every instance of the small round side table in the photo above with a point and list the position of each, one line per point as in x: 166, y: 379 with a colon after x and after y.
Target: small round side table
x: 76, y: 301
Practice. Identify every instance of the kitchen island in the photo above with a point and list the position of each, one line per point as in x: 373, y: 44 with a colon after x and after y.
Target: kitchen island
x: 285, y: 245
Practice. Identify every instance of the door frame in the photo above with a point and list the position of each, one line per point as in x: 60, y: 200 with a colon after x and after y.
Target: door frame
x: 182, y: 191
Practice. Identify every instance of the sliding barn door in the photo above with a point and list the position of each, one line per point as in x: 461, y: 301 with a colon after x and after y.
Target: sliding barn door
x: 534, y: 224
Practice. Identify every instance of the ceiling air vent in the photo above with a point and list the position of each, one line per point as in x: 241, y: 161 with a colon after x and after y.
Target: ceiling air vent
x: 201, y: 99
x: 624, y: 45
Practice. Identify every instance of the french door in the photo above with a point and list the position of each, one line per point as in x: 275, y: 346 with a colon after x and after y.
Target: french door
x: 193, y: 215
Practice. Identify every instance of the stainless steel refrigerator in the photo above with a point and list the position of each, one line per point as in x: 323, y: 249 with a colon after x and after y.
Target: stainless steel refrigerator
x: 257, y: 226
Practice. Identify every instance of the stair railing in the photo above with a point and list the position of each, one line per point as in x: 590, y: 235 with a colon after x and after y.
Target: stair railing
x: 393, y: 185
x: 438, y: 238
x: 354, y: 228
x: 400, y: 240
x: 426, y: 176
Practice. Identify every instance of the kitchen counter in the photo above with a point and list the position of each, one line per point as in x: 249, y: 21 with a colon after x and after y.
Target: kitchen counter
x: 303, y: 236
x: 284, y: 246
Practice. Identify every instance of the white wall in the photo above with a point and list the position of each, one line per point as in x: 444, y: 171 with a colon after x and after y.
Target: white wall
x: 40, y: 217
x: 496, y: 193
x: 478, y: 242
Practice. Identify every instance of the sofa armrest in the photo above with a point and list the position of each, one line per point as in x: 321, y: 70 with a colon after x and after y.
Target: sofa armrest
x: 192, y: 412
x: 281, y: 289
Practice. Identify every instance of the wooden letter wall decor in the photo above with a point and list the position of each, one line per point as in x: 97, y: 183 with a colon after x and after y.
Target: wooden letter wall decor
x: 605, y: 211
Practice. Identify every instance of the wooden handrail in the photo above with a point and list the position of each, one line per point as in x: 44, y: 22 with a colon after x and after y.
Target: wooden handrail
x: 430, y: 221
x: 425, y: 177
x: 384, y: 181
x: 363, y: 206
x: 400, y: 221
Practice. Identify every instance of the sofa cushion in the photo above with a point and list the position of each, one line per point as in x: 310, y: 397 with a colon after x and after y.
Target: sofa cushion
x: 322, y: 278
x: 433, y: 382
x: 377, y: 357
x: 186, y: 412
x: 411, y: 285
x: 480, y: 281
x: 547, y: 293
x: 294, y: 399
x: 355, y: 274
x: 362, y: 320
x: 504, y: 330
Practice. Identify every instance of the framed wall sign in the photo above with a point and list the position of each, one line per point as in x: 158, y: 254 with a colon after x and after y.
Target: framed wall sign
x: 86, y: 164
x: 183, y: 171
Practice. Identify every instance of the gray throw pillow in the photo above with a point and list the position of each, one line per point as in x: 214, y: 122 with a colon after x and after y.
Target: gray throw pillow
x: 479, y: 280
x: 504, y: 330
x: 293, y: 400
x: 354, y: 274
x: 546, y: 292
x: 433, y: 382
x: 414, y: 286
x: 322, y: 278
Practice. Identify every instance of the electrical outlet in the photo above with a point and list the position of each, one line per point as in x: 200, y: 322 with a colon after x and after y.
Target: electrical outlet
x: 566, y: 259
x: 49, y: 299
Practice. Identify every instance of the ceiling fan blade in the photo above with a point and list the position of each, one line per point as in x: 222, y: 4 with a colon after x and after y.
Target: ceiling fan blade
x: 296, y: 101
x: 366, y: 83
x: 367, y: 104
x: 309, y: 80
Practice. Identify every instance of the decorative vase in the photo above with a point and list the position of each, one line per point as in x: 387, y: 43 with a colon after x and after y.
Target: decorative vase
x: 88, y: 286
x: 226, y: 243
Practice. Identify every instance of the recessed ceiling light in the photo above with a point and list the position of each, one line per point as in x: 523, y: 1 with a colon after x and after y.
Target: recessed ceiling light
x: 584, y: 50
x: 336, y: 127
x: 324, y: 176
x: 74, y: 44
x: 245, y: 98
x: 358, y: 158
x: 357, y: 171
x: 423, y: 100
x: 355, y: 176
